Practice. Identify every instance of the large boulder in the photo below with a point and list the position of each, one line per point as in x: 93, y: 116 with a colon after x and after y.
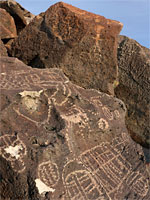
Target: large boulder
x: 21, y: 16
x: 60, y: 141
x: 7, y: 25
x: 134, y: 87
x: 81, y: 43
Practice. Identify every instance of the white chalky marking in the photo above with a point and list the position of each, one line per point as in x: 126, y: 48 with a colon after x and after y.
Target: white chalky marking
x: 31, y: 93
x: 14, y: 151
x: 42, y: 187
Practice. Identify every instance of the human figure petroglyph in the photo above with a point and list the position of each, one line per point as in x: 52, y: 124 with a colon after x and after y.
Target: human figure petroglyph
x: 14, y: 150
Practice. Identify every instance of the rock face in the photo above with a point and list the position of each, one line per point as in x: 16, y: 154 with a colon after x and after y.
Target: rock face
x: 3, y: 50
x: 81, y: 43
x: 134, y: 87
x: 7, y: 25
x: 21, y: 16
x: 64, y: 142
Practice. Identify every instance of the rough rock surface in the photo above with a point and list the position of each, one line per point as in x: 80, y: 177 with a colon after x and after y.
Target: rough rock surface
x: 7, y: 25
x: 15, y: 186
x: 21, y: 16
x: 134, y: 87
x: 81, y: 43
x: 3, y: 50
x: 64, y: 142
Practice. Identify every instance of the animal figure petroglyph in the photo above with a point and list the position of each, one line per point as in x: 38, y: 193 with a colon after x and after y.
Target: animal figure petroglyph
x: 93, y: 169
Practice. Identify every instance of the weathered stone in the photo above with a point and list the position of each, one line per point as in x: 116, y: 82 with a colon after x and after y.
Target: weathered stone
x: 14, y: 185
x: 3, y: 50
x: 71, y: 142
x: 134, y: 87
x: 7, y: 25
x: 81, y: 43
x: 21, y: 16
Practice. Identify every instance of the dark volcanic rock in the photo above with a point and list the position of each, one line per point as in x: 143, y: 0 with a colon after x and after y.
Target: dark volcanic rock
x: 21, y: 16
x: 81, y: 43
x: 134, y: 87
x: 15, y: 185
x: 7, y: 25
x: 3, y: 50
x: 71, y: 142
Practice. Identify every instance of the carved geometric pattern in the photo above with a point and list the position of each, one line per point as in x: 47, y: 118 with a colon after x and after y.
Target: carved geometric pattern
x: 138, y: 183
x: 117, y: 114
x: 14, y: 150
x: 103, y: 124
x: 48, y: 173
x: 111, y: 169
x: 107, y: 113
x: 81, y: 185
x: 103, y: 170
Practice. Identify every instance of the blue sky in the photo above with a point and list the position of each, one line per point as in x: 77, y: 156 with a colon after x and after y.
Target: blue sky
x: 134, y: 14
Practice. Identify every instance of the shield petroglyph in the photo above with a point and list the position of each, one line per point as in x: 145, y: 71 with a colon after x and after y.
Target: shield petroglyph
x: 73, y: 141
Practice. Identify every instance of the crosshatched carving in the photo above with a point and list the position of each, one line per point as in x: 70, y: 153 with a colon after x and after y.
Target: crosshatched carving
x: 107, y: 113
x: 71, y: 123
x: 48, y: 173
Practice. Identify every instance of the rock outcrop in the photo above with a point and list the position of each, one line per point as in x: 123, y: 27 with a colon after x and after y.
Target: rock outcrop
x: 7, y: 25
x: 134, y: 87
x: 3, y: 50
x: 21, y: 16
x: 61, y: 141
x: 82, y: 44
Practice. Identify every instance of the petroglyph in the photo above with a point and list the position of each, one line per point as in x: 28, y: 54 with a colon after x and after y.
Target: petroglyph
x: 30, y: 78
x: 80, y: 184
x: 98, y: 173
x: 48, y: 173
x: 103, y: 124
x: 75, y: 115
x: 107, y: 113
x: 68, y: 122
x: 138, y: 184
x: 117, y: 114
x: 14, y: 150
x: 97, y: 101
x: 111, y: 169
